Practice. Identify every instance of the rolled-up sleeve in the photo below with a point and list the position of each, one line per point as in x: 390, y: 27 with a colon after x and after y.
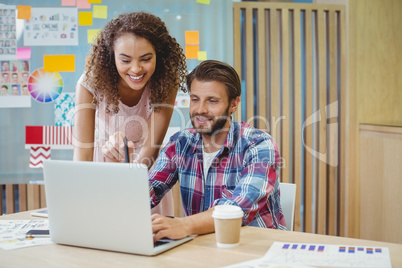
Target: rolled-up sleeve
x: 164, y: 175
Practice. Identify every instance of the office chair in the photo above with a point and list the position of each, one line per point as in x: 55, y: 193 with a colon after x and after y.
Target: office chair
x: 288, y: 196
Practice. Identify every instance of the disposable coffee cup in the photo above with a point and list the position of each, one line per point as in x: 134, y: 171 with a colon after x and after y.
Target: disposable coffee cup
x: 228, y: 221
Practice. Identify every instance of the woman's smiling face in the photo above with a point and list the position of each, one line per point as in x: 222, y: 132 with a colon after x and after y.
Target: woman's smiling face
x: 135, y: 60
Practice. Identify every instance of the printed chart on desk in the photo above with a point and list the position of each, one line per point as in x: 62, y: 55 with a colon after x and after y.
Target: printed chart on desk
x: 329, y: 255
x: 45, y: 86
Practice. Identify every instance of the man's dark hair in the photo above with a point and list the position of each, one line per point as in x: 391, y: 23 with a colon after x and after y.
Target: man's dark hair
x: 212, y: 70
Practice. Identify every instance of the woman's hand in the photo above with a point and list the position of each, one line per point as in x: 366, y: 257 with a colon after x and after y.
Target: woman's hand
x: 113, y: 149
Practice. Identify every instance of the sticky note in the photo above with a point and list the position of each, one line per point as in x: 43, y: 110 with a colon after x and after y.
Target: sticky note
x: 59, y: 63
x: 100, y: 12
x: 205, y: 2
x: 202, y: 55
x: 95, y: 1
x: 68, y: 2
x: 24, y: 12
x: 83, y: 4
x: 192, y: 37
x: 192, y: 52
x: 92, y: 34
x: 23, y: 53
x: 84, y: 18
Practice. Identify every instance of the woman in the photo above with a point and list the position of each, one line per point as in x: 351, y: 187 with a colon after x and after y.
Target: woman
x: 128, y: 90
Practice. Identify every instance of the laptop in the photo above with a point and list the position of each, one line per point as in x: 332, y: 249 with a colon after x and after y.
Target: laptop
x: 102, y: 206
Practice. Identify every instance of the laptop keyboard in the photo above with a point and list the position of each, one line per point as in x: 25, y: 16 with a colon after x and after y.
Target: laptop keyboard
x: 162, y: 242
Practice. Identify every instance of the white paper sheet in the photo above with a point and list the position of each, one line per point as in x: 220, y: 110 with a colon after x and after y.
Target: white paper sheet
x: 292, y: 254
x: 12, y: 233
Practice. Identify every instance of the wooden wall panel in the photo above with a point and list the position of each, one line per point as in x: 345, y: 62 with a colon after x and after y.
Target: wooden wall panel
x: 378, y: 61
x: 381, y: 184
x: 375, y: 65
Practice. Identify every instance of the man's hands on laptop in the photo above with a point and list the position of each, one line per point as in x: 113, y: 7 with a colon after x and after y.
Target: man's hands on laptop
x: 178, y: 228
x: 167, y: 227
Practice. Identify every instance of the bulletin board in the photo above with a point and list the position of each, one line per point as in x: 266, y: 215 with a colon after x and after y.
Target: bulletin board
x: 61, y: 31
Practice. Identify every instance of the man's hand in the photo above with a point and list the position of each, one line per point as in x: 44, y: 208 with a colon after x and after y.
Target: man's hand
x: 172, y: 228
x: 177, y: 228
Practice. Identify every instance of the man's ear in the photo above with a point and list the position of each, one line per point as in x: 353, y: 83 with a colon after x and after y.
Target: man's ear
x: 234, y: 104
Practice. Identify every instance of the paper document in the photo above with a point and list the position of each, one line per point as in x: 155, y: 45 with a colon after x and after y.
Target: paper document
x: 12, y: 233
x: 291, y: 254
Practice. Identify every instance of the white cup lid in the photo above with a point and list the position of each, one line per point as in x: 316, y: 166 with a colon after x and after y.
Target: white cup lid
x: 227, y: 212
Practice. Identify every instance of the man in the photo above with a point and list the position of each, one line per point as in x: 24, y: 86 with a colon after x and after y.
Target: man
x: 218, y: 162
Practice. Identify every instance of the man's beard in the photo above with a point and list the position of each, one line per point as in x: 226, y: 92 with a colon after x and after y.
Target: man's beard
x: 216, y: 126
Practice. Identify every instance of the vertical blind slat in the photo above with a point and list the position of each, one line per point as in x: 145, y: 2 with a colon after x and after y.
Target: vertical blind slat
x: 322, y: 125
x: 22, y: 193
x: 297, y: 116
x: 262, y: 71
x: 275, y: 94
x: 250, y: 69
x: 343, y: 104
x: 10, y: 199
x: 285, y: 99
x: 308, y: 131
x: 237, y: 50
x: 332, y: 128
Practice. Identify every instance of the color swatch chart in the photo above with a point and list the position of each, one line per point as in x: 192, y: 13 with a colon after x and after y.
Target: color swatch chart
x: 328, y: 255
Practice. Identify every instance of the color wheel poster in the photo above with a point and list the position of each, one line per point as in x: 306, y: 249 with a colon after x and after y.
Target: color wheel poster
x: 52, y: 27
x: 45, y: 86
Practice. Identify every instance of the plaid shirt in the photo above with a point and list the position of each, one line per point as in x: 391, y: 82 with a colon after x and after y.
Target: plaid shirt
x: 244, y: 173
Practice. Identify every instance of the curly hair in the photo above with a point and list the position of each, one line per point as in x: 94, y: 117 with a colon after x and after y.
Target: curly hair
x: 170, y: 71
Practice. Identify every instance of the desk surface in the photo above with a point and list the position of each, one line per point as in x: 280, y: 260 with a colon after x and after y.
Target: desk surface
x: 200, y: 252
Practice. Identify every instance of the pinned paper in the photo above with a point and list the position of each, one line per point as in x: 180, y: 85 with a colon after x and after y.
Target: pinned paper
x: 24, y: 12
x: 100, y: 12
x: 23, y: 53
x: 84, y: 18
x: 33, y: 134
x: 58, y: 137
x: 202, y: 55
x: 38, y: 155
x: 59, y: 63
x: 92, y: 34
x: 64, y: 107
x: 83, y: 4
x: 192, y: 37
x: 205, y: 2
x: 95, y: 1
x: 68, y: 2
x: 192, y: 52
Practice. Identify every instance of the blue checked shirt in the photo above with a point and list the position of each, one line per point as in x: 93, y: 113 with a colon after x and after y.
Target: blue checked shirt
x: 243, y: 173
